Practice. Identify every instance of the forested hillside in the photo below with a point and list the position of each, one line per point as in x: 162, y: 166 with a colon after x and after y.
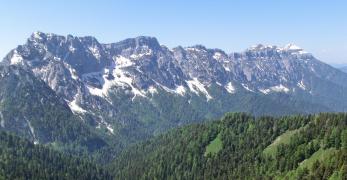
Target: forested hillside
x: 30, y: 109
x: 21, y: 159
x: 240, y: 147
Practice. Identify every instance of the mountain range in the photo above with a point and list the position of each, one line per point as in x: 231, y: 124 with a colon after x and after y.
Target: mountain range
x: 56, y: 89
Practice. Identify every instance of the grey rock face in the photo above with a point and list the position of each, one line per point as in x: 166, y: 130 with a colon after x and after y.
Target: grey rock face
x: 100, y: 81
x: 31, y: 109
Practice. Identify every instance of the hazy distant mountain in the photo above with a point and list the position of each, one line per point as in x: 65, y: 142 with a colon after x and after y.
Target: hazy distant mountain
x: 344, y: 69
x: 137, y: 87
x: 338, y: 65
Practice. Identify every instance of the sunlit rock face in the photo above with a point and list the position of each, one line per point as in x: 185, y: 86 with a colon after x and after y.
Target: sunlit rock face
x: 139, y: 83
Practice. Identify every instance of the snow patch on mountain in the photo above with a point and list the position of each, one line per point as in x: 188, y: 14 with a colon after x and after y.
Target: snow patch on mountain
x: 301, y: 85
x: 105, y: 124
x: 138, y: 56
x: 246, y: 87
x: 75, y: 108
x: 122, y: 62
x: 145, y: 51
x: 96, y: 91
x: 72, y: 71
x: 193, y: 49
x: 292, y: 47
x: 115, y: 75
x: 37, y: 35
x: 16, y: 58
x: 261, y: 47
x: 280, y: 88
x: 181, y: 90
x: 110, y: 129
x: 95, y: 51
x: 230, y: 88
x: 196, y: 86
x: 72, y: 49
x: 124, y: 79
x: 32, y: 131
x: 265, y: 91
x: 217, y: 55
x: 152, y: 90
x: 226, y: 68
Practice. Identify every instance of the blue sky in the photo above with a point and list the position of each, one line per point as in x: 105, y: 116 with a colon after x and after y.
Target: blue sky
x: 318, y: 26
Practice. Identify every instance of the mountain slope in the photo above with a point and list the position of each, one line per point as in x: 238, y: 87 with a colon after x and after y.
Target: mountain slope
x: 136, y: 88
x: 240, y: 147
x: 21, y: 159
x: 29, y: 108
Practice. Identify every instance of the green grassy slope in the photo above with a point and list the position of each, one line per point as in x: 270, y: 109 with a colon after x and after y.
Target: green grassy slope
x: 282, y: 139
x: 215, y: 146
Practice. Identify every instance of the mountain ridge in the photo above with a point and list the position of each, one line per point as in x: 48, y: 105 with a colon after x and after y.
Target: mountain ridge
x: 136, y: 87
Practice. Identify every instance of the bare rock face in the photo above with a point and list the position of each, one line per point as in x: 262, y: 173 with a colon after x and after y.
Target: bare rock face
x: 138, y: 83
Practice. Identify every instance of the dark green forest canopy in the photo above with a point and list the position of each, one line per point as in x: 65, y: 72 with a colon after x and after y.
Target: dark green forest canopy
x: 295, y: 147
x: 21, y: 159
x: 238, y: 146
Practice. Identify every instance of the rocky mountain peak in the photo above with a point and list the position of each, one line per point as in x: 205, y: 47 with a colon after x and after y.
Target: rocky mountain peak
x: 141, y: 63
x: 292, y: 47
x: 38, y: 35
x: 261, y: 51
x: 146, y: 40
x: 260, y: 47
x: 41, y: 37
x: 109, y: 84
x: 138, y: 42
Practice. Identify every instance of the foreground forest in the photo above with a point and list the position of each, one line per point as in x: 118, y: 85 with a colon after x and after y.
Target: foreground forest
x: 238, y: 146
x: 21, y: 159
x: 242, y: 147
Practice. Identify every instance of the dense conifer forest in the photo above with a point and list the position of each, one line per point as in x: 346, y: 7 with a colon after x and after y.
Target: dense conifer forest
x: 238, y: 146
x: 241, y: 147
x: 21, y: 159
